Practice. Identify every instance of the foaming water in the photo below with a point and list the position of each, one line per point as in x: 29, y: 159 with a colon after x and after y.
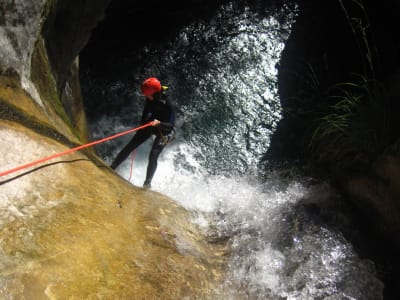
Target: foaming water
x: 285, y: 235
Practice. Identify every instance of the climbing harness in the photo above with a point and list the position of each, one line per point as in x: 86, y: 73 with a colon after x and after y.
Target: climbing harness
x: 36, y: 162
x: 166, y: 139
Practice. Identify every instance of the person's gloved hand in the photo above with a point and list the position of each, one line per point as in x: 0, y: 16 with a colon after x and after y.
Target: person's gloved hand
x: 155, y: 123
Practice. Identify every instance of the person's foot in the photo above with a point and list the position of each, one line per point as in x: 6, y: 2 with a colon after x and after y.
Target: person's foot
x: 147, y: 185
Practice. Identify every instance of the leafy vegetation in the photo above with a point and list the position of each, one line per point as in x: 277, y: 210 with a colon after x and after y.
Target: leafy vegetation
x: 351, y: 122
x: 355, y: 125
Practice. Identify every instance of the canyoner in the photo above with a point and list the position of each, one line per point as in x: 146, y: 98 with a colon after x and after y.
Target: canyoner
x: 160, y: 110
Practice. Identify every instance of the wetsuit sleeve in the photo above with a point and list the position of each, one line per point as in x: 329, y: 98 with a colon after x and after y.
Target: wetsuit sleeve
x: 146, y: 114
x: 171, y: 122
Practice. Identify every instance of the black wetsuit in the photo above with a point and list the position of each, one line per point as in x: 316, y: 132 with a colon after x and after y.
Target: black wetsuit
x: 164, y: 110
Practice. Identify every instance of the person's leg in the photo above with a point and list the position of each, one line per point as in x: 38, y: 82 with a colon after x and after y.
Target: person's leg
x: 138, y: 139
x: 158, y: 146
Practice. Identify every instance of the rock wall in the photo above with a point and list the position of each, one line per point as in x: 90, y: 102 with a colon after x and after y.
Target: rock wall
x: 71, y: 228
x: 74, y: 229
x: 20, y: 27
x: 376, y: 193
x: 322, y: 51
x: 66, y: 31
x: 40, y: 42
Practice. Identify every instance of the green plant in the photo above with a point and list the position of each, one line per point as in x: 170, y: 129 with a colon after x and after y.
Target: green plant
x: 360, y: 27
x: 354, y: 120
x: 355, y: 124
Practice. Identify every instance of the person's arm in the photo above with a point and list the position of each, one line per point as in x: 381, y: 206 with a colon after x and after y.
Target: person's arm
x: 146, y: 114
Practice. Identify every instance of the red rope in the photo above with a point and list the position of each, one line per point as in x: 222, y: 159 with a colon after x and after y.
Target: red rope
x: 73, y: 150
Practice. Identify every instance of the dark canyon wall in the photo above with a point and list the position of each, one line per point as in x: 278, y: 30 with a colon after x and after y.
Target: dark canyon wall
x: 329, y: 45
x: 323, y: 50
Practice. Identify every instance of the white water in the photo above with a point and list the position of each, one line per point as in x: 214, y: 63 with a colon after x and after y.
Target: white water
x: 285, y: 234
x: 279, y: 249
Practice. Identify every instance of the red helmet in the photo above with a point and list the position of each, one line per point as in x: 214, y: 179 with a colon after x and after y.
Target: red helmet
x: 151, y: 86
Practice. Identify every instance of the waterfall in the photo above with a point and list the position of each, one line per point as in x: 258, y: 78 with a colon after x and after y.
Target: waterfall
x: 286, y: 235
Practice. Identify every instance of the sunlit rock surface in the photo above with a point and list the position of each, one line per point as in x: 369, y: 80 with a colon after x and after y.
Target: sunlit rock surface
x: 74, y: 229
x: 71, y: 228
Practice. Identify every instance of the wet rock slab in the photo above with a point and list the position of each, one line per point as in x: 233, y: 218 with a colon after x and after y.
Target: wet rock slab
x: 74, y: 229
